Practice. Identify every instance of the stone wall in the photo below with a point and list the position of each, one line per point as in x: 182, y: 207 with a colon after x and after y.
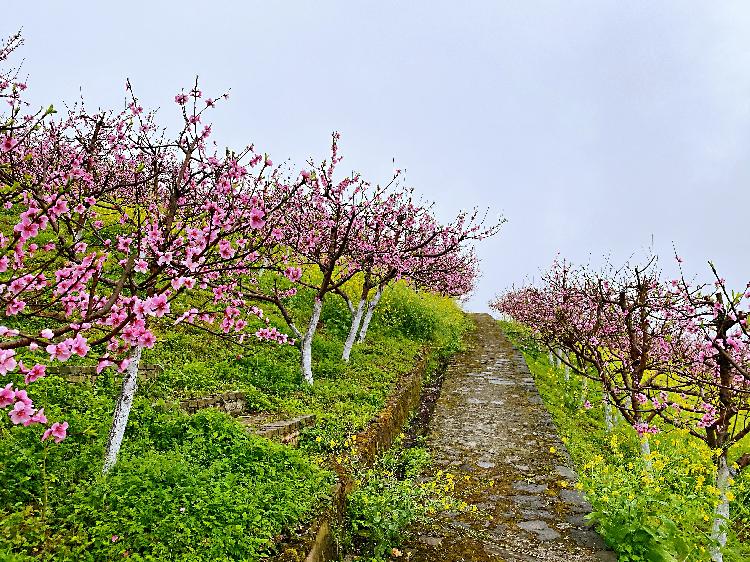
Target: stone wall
x: 317, y: 543
x: 286, y: 431
x: 229, y: 402
x: 87, y: 373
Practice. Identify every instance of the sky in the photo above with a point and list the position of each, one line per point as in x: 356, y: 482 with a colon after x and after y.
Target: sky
x: 597, y: 129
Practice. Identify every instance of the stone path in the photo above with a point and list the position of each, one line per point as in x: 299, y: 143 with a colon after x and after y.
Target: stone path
x: 490, y: 430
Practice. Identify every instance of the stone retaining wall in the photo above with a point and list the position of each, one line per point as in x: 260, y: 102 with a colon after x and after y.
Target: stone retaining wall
x: 317, y: 544
x: 230, y: 402
x: 87, y: 373
x: 286, y: 431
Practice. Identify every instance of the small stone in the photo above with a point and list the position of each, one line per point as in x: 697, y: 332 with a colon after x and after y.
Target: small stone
x: 540, y: 529
x: 528, y: 500
x: 522, y: 486
x: 431, y: 541
x: 588, y: 538
x: 575, y: 500
x: 493, y: 550
x: 537, y: 514
x: 579, y: 521
x: 535, y: 525
x: 566, y: 472
x: 485, y: 464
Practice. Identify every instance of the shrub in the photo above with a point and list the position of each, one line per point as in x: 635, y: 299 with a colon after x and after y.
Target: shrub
x: 186, y: 488
x: 388, y: 499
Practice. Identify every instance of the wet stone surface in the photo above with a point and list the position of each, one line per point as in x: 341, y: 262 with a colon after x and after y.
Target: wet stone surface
x: 491, y: 431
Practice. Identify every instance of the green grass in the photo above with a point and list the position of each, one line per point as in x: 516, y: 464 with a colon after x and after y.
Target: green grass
x: 199, y: 487
x: 659, y: 514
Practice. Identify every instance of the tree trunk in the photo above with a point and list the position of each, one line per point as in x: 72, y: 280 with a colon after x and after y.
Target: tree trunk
x: 356, y: 321
x: 122, y: 411
x: 306, y: 346
x: 646, y: 452
x: 721, y: 514
x: 368, y: 315
x: 608, y: 421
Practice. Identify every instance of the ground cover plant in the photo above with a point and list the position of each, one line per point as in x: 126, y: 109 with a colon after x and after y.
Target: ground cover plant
x: 389, y: 498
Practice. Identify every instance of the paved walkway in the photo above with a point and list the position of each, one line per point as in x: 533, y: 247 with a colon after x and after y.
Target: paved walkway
x: 491, y: 431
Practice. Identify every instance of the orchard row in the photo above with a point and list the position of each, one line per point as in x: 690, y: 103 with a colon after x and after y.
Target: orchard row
x: 114, y: 230
x: 666, y: 353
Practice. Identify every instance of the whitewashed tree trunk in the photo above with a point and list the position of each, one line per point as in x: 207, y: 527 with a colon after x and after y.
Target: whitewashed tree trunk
x: 721, y: 514
x: 368, y: 315
x: 551, y: 358
x: 306, y: 346
x: 646, y: 452
x: 608, y: 420
x: 122, y: 411
x: 558, y: 358
x: 356, y: 321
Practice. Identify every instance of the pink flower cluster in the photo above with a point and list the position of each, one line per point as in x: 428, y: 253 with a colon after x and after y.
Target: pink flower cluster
x: 273, y: 335
x: 24, y: 413
x: 643, y: 428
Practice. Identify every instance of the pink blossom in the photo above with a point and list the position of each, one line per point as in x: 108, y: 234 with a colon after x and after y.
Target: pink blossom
x: 103, y: 364
x: 21, y: 396
x: 7, y: 395
x: 36, y: 372
x: 60, y: 351
x: 225, y: 249
x: 293, y: 273
x: 159, y: 306
x: 39, y: 417
x: 147, y: 339
x: 8, y: 144
x: 60, y: 207
x: 256, y: 218
x: 21, y: 413
x: 57, y: 430
x: 643, y: 429
x: 7, y: 361
x: 79, y: 346
x: 15, y: 307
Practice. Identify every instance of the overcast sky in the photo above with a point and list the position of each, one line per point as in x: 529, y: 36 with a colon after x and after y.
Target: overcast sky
x: 594, y: 127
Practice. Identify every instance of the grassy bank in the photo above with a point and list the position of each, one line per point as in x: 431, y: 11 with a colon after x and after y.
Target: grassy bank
x: 198, y: 487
